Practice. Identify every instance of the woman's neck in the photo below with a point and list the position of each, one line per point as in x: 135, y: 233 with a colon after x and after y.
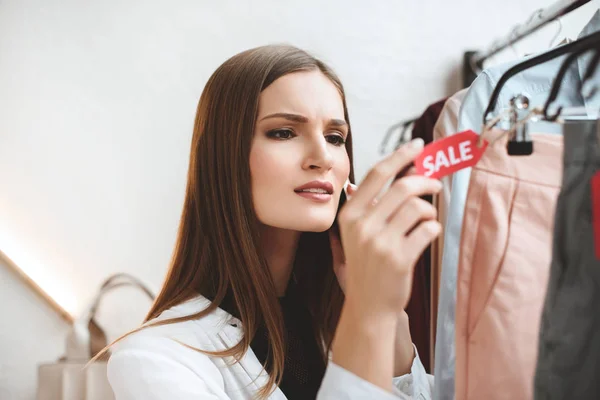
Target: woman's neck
x: 279, y: 247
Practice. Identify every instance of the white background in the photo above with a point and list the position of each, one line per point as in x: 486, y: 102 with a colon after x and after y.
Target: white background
x: 97, y: 101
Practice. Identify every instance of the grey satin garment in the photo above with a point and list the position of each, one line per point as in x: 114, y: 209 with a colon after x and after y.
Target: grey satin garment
x: 568, y: 364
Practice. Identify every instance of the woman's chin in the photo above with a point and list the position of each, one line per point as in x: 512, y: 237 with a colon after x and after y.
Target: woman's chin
x: 303, y: 222
x: 316, y: 226
x: 304, y: 225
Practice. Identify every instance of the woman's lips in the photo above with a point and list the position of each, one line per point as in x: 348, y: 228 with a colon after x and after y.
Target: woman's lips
x: 317, y: 197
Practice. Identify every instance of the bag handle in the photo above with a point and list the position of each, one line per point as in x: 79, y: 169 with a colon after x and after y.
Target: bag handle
x: 112, y: 282
x: 86, y: 337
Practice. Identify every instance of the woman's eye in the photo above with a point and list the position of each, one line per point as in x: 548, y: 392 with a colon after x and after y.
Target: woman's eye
x: 336, y: 140
x: 281, y: 134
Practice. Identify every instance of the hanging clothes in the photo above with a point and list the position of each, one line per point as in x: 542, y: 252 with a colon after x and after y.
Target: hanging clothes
x: 503, y: 269
x: 535, y: 83
x: 419, y: 306
x: 443, y: 281
x: 446, y: 125
x: 569, y: 345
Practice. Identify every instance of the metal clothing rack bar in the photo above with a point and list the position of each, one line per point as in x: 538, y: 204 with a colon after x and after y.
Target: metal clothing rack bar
x: 473, y: 60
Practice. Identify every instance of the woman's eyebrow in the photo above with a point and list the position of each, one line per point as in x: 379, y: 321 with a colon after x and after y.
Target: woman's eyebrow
x: 302, y: 119
x: 288, y: 116
x: 338, y: 123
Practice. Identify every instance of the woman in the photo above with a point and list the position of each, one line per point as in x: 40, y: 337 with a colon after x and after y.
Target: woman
x: 258, y: 275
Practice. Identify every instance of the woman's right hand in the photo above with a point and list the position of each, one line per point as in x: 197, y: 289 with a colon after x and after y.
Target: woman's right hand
x: 384, y: 237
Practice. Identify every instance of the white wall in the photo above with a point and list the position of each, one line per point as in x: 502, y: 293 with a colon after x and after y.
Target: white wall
x: 30, y: 332
x: 97, y: 101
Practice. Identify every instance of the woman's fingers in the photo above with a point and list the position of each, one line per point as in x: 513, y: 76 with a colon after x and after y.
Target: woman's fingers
x: 383, y: 239
x: 401, y: 191
x: 421, y: 237
x: 411, y: 172
x: 413, y: 211
x: 352, y: 189
x: 383, y: 172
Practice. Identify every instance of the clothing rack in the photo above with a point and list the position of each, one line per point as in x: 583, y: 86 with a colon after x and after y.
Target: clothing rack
x: 521, y: 144
x: 473, y: 60
x: 404, y: 134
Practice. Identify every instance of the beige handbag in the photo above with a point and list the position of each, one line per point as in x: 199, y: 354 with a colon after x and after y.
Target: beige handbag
x: 67, y: 379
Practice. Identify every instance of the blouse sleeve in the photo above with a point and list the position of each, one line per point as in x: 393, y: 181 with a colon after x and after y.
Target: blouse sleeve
x: 416, y: 385
x: 341, y: 384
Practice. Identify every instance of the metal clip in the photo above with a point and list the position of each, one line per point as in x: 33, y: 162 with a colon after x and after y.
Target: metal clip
x: 520, y: 142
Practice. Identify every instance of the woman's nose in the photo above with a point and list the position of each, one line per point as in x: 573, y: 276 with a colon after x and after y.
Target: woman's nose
x: 318, y: 155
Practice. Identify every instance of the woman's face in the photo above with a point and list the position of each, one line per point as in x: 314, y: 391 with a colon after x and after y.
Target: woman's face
x: 298, y: 160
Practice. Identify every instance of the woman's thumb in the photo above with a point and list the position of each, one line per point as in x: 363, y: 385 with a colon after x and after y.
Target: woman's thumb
x: 350, y: 190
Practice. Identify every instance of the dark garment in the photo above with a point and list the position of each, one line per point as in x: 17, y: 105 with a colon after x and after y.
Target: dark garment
x: 304, y: 366
x: 423, y: 126
x: 419, y: 306
x: 568, y: 363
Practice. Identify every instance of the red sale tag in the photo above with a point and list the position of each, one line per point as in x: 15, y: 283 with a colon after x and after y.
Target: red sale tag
x: 595, y: 189
x: 446, y: 156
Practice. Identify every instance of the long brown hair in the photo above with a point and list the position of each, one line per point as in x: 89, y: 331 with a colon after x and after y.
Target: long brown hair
x: 218, y: 247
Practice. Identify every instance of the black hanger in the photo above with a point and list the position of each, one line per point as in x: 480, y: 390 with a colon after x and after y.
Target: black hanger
x: 561, y: 75
x: 588, y: 42
x: 591, y: 70
x: 403, y: 125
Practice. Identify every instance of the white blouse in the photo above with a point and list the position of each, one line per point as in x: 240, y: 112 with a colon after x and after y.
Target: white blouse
x: 157, y: 364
